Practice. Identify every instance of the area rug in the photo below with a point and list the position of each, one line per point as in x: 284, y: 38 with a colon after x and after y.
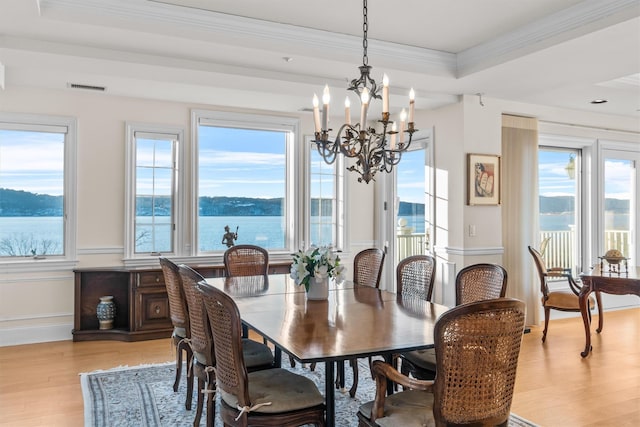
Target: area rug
x: 142, y: 396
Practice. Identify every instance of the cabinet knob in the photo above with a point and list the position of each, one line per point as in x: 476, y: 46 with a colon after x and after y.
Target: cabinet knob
x: 157, y: 310
x: 157, y: 279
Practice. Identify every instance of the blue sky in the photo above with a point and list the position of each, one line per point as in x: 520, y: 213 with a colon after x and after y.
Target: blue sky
x: 252, y: 164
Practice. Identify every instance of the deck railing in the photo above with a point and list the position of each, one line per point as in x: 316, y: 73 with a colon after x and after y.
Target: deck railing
x: 410, y: 244
x: 560, y: 248
x: 558, y: 253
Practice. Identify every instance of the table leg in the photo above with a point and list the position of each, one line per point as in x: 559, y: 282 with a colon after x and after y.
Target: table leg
x: 329, y: 393
x: 277, y: 357
x: 583, y: 299
x: 390, y: 384
x: 600, y: 313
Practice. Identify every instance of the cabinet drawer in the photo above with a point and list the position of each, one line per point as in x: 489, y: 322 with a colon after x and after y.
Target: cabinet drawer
x: 150, y: 278
x: 152, y: 310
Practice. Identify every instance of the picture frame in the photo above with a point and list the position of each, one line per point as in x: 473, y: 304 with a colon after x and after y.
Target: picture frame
x: 483, y: 179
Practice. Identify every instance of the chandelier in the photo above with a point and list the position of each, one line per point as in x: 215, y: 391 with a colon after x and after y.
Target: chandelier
x: 374, y: 150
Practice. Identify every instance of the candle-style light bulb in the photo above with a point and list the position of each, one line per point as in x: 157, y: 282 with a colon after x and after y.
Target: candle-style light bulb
x: 385, y: 94
x: 364, y: 97
x: 325, y: 107
x: 316, y: 113
x: 412, y: 104
x: 347, y: 111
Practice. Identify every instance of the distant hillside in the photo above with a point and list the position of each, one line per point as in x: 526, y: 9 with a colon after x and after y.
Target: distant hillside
x: 562, y: 204
x: 23, y: 203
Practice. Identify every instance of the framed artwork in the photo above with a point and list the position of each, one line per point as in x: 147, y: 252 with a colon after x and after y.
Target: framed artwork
x: 483, y: 179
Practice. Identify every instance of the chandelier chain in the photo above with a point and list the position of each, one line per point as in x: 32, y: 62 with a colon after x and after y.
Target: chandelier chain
x: 365, y: 27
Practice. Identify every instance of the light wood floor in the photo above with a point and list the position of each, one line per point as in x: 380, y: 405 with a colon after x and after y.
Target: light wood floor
x: 40, y: 386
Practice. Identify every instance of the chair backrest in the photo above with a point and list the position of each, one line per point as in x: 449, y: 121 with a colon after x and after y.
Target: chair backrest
x: 246, y: 260
x: 367, y: 267
x: 542, y: 270
x: 415, y: 276
x: 177, y: 301
x: 480, y: 282
x: 201, y: 340
x: 477, y: 347
x: 226, y: 328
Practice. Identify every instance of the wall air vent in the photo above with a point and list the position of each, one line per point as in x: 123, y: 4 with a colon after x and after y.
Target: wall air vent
x: 86, y: 87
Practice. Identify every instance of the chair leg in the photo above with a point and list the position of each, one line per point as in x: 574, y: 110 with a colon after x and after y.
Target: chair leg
x: 292, y: 361
x: 176, y: 383
x: 354, y: 386
x: 546, y: 323
x: 200, y: 403
x: 190, y: 378
x: 211, y: 398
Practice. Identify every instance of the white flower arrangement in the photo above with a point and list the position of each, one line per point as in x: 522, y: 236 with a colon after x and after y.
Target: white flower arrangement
x: 316, y: 262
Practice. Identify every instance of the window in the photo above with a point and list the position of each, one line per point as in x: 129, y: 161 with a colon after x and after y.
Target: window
x: 245, y: 168
x: 153, y: 224
x: 37, y: 173
x: 559, y: 206
x: 326, y: 200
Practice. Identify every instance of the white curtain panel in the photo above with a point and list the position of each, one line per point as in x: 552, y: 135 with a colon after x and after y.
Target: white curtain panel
x: 520, y: 225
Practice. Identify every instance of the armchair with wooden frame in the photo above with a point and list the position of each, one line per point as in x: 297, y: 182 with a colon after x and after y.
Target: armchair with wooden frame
x: 562, y: 300
x: 475, y: 282
x: 273, y: 397
x: 477, y: 349
x: 256, y: 356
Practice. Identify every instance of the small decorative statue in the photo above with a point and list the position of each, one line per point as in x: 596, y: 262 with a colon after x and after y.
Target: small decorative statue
x: 229, y: 237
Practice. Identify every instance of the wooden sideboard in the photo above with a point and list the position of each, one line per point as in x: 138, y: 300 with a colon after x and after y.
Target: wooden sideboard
x: 140, y: 296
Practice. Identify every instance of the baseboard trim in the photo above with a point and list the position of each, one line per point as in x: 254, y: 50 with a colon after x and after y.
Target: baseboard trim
x: 35, y: 334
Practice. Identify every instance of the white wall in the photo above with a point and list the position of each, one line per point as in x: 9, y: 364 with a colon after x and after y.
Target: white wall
x: 38, y: 306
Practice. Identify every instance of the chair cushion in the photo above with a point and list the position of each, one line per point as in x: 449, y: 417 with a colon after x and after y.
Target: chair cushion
x: 423, y: 359
x: 256, y: 353
x: 285, y: 390
x: 410, y: 408
x: 179, y: 332
x: 565, y: 300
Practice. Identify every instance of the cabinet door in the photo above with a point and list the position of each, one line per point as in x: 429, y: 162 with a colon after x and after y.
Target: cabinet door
x: 152, y: 309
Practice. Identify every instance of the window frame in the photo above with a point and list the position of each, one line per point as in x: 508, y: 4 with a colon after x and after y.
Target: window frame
x: 68, y: 259
x: 293, y: 199
x: 178, y: 185
x: 340, y: 210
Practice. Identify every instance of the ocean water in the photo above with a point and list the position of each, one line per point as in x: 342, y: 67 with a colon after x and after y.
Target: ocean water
x: 26, y: 233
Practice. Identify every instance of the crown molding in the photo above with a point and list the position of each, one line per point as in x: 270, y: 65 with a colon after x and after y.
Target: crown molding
x: 249, y: 32
x: 561, y: 26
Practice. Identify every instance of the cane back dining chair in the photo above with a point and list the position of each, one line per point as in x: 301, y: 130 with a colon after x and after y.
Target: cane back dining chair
x: 367, y: 270
x: 477, y: 347
x: 475, y: 282
x: 181, y: 336
x: 257, y: 356
x: 246, y: 260
x: 273, y: 397
x: 562, y: 300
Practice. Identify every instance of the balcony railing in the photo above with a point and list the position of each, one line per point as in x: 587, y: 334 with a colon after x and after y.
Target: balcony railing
x: 560, y: 248
x: 558, y: 253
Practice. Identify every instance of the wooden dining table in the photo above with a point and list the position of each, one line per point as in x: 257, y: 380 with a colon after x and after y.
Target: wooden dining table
x: 355, y: 321
x: 622, y: 281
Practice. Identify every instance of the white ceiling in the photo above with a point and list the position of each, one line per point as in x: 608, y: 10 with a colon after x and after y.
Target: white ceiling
x: 562, y: 53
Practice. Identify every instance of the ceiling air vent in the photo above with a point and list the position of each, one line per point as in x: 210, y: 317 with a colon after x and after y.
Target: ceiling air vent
x: 86, y: 87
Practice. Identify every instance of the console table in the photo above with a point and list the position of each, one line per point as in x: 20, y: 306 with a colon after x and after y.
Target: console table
x: 601, y: 280
x: 140, y: 297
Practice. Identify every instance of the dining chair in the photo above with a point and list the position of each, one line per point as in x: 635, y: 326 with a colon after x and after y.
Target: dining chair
x: 246, y: 260
x: 477, y: 347
x: 181, y: 336
x: 562, y: 300
x: 367, y: 270
x: 273, y: 397
x: 257, y: 355
x: 476, y: 282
